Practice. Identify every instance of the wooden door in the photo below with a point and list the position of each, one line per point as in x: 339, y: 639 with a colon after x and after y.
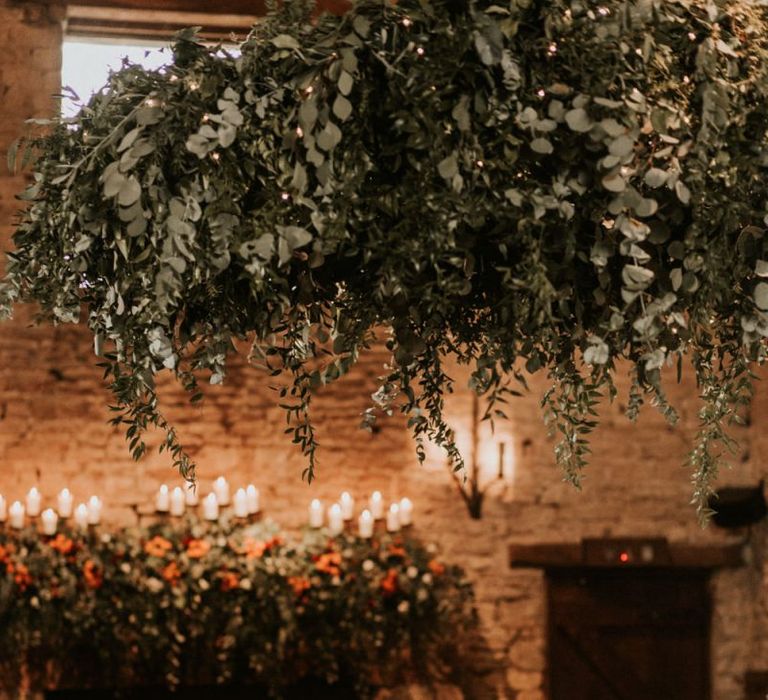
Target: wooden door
x: 628, y: 634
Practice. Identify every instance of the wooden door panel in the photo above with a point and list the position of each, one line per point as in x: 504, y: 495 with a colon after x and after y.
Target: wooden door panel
x: 628, y: 635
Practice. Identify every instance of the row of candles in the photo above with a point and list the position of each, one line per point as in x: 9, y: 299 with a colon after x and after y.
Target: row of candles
x: 175, y: 502
x: 85, y: 514
x: 399, y: 514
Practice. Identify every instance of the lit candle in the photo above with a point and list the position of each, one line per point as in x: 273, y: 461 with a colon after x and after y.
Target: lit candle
x: 65, y: 503
x: 406, y: 512
x: 49, y: 519
x: 81, y: 516
x: 315, y: 513
x: 393, y: 518
x: 365, y: 524
x: 33, y: 502
x: 16, y: 515
x: 3, y: 510
x: 347, y: 506
x: 241, y: 504
x: 211, y: 507
x: 94, y: 510
x: 163, y: 499
x: 221, y: 489
x: 177, y: 502
x: 377, y: 505
x: 335, y: 519
x: 253, y: 499
x: 190, y: 495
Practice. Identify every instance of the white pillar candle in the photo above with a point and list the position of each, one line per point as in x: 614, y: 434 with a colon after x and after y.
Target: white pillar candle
x: 49, y: 519
x: 33, y: 502
x: 406, y: 512
x: 190, y: 495
x: 65, y: 503
x: 347, y: 506
x: 163, y: 499
x: 94, y: 510
x: 177, y: 502
x: 221, y: 489
x: 16, y: 515
x: 211, y: 507
x: 3, y: 510
x: 81, y: 516
x: 315, y: 513
x: 241, y: 504
x: 253, y: 499
x: 393, y: 518
x: 365, y: 524
x: 335, y: 519
x: 376, y: 505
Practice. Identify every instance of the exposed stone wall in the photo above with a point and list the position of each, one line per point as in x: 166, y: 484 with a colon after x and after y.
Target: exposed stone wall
x: 53, y: 432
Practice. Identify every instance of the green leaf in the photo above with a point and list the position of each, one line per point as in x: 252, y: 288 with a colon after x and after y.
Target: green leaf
x: 285, y: 41
x: 342, y: 107
x: 578, y: 120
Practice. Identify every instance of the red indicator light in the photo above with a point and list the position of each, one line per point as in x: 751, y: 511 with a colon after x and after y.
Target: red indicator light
x: 624, y: 557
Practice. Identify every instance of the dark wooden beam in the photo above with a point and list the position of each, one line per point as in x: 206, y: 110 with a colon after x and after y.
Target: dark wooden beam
x: 625, y: 553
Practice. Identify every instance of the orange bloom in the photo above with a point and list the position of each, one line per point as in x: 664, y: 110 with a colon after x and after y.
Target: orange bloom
x: 4, y: 554
x: 62, y: 544
x: 229, y: 581
x: 171, y: 573
x: 198, y: 548
x: 21, y: 576
x: 299, y: 584
x: 389, y: 582
x: 157, y: 546
x: 329, y: 563
x: 93, y: 577
x: 436, y: 567
x: 397, y: 551
x: 253, y: 549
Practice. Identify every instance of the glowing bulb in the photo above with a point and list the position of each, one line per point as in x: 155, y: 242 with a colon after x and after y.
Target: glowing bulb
x: 407, y: 22
x: 480, y: 164
x: 299, y: 132
x: 420, y: 51
x: 215, y: 156
x: 540, y: 92
x: 285, y: 196
x: 193, y: 85
x: 309, y: 90
x: 691, y: 36
x: 603, y: 11
x: 552, y: 48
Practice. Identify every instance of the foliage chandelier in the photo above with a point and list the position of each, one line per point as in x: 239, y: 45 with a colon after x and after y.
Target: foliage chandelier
x: 531, y: 186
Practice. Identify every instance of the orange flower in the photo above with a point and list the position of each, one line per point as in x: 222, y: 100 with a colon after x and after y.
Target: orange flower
x: 198, y: 548
x: 229, y: 581
x: 253, y: 549
x: 93, y: 577
x: 171, y: 573
x: 389, y: 582
x: 4, y: 554
x: 397, y: 551
x: 62, y: 544
x: 157, y: 546
x: 436, y: 567
x: 299, y: 584
x: 21, y: 576
x: 329, y: 563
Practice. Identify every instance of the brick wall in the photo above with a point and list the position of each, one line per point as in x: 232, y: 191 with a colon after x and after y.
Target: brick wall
x: 53, y: 432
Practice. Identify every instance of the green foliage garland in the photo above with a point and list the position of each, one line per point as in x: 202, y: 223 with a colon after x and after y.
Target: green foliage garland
x: 523, y: 186
x: 202, y: 604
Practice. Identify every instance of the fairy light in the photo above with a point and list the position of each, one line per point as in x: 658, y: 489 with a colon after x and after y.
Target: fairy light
x: 552, y: 48
x: 285, y: 196
x: 420, y: 50
x: 193, y: 85
x: 215, y: 156
x: 604, y: 11
x: 540, y: 92
x: 480, y: 164
x: 205, y: 117
x: 299, y: 132
x: 309, y: 90
x: 686, y: 79
x: 691, y: 36
x: 152, y: 102
x: 407, y: 22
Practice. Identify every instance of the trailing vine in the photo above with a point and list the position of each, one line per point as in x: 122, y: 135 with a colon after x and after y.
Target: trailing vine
x: 554, y: 186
